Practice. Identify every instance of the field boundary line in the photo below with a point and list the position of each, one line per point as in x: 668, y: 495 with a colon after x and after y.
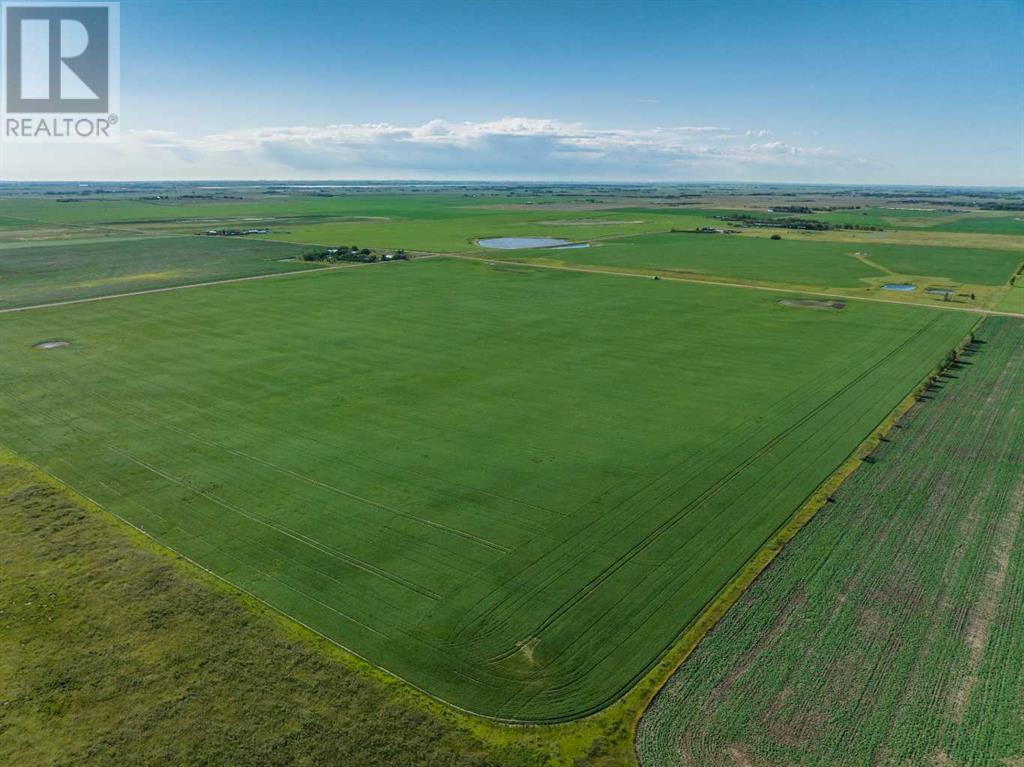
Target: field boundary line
x: 629, y: 706
x: 722, y: 284
x: 91, y: 505
x: 662, y: 672
x: 488, y: 259
x: 208, y: 283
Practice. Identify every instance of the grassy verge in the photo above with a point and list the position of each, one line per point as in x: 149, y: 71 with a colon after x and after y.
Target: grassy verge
x: 729, y: 595
x: 891, y: 632
x: 114, y: 651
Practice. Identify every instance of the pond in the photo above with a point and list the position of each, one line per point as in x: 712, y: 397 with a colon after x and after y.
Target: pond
x: 517, y: 243
x: 900, y: 286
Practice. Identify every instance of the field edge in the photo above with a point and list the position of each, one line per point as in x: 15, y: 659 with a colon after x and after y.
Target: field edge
x: 770, y: 549
x: 607, y: 732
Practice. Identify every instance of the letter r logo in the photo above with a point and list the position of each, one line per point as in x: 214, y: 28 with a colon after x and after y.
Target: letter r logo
x: 57, y: 58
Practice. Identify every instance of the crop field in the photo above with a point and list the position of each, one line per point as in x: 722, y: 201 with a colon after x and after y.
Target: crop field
x: 419, y: 222
x: 513, y: 487
x: 1013, y: 300
x: 102, y: 634
x: 814, y: 264
x: 940, y: 220
x: 98, y: 243
x: 39, y: 273
x: 890, y: 630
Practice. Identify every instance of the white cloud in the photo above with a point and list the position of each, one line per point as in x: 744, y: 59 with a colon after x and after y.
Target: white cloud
x: 507, y: 148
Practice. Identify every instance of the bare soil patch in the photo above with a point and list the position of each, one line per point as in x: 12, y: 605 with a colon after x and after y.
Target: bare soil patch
x: 54, y: 344
x: 809, y: 303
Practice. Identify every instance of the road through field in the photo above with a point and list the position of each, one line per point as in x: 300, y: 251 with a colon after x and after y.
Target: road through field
x: 487, y: 259
x: 747, y: 286
x: 207, y: 284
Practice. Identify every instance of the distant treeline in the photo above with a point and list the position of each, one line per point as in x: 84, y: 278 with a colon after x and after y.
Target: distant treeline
x: 235, y: 232
x: 1010, y: 206
x: 809, y: 224
x: 353, y: 254
x: 806, y: 210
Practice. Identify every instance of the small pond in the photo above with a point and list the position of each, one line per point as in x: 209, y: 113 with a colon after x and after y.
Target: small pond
x: 900, y: 286
x: 516, y: 243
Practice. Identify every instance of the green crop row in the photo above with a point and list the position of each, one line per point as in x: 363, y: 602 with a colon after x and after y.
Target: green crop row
x: 889, y: 631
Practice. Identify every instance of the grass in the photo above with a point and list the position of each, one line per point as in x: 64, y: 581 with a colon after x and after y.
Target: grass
x: 418, y: 462
x: 913, y: 243
x: 457, y: 228
x: 911, y: 219
x: 111, y: 652
x: 889, y: 630
x: 1012, y: 224
x: 817, y: 264
x: 37, y: 274
x: 1013, y: 299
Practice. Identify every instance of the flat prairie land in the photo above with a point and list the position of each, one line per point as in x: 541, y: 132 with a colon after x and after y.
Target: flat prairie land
x: 39, y: 274
x: 890, y: 630
x: 1007, y: 224
x: 1013, y: 299
x: 113, y: 653
x: 512, y: 487
x: 440, y: 223
x: 789, y: 261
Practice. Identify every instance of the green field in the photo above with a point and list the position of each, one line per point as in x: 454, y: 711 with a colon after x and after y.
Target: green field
x: 437, y: 222
x: 112, y: 653
x: 890, y: 630
x: 94, y: 246
x: 1011, y: 224
x: 1013, y: 300
x: 936, y: 220
x: 39, y: 274
x: 512, y: 487
x: 795, y: 262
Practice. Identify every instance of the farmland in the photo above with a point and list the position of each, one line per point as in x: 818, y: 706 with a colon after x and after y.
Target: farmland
x: 512, y: 487
x: 103, y: 246
x: 91, y: 269
x: 522, y: 489
x: 821, y: 264
x: 889, y: 631
x: 111, y: 652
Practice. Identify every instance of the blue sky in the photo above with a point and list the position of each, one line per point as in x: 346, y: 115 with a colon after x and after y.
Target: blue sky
x: 861, y: 92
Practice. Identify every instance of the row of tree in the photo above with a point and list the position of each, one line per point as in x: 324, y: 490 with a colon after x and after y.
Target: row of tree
x: 352, y: 254
x: 745, y: 219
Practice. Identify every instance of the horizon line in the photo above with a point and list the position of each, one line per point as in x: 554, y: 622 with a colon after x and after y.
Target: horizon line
x: 520, y: 182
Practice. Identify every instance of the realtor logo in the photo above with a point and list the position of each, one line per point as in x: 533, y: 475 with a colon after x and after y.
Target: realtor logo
x: 61, y: 71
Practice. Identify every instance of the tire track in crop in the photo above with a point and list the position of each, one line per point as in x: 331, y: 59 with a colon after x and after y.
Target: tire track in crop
x: 699, y: 464
x: 651, y: 603
x: 735, y: 472
x: 610, y: 569
x: 122, y: 406
x: 509, y: 603
x: 301, y: 538
x: 892, y: 706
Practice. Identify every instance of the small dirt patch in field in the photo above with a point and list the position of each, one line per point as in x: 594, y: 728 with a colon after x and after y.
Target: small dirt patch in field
x: 739, y: 756
x: 527, y: 646
x: 807, y: 303
x: 54, y: 344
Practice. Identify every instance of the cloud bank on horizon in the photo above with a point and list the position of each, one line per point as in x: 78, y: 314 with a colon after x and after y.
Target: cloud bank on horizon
x: 514, y: 148
x: 789, y: 91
